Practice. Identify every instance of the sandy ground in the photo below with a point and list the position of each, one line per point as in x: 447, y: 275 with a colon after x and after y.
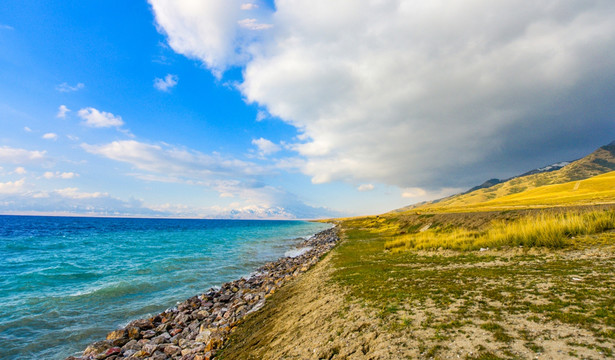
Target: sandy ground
x: 312, y: 318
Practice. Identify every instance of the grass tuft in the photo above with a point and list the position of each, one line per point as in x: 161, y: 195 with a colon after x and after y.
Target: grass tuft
x: 549, y: 230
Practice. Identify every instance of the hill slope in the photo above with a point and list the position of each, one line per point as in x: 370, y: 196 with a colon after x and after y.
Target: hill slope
x: 599, y: 162
x: 596, y: 190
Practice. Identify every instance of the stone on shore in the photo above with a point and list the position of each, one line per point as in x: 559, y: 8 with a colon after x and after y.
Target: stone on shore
x: 199, y: 326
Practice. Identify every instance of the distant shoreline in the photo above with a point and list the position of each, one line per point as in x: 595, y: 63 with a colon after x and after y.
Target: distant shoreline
x: 98, y: 216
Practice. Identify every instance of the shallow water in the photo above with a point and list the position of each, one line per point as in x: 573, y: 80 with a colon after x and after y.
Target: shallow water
x: 65, y: 282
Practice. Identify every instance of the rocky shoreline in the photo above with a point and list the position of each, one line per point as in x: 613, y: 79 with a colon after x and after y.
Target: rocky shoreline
x: 196, y: 328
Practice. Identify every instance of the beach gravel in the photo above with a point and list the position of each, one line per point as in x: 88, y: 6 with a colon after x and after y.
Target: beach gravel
x: 196, y: 328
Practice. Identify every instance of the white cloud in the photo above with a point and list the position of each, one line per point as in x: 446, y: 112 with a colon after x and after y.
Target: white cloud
x: 413, y: 193
x: 59, y: 175
x: 266, y: 147
x: 261, y: 201
x: 62, y: 111
x: 27, y: 129
x: 248, y: 6
x: 207, y: 30
x: 366, y: 187
x: 14, y: 199
x: 6, y: 27
x: 50, y: 136
x: 231, y: 178
x: 417, y: 94
x: 74, y: 193
x: 408, y: 94
x: 65, y: 87
x: 68, y: 175
x: 233, y: 211
x: 172, y: 161
x: 20, y: 170
x: 167, y: 83
x: 253, y: 24
x: 255, y: 212
x: 99, y: 119
x: 261, y: 115
x: 12, y: 187
x: 21, y: 156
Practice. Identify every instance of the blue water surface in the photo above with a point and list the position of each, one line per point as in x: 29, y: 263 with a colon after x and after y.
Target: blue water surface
x: 65, y: 282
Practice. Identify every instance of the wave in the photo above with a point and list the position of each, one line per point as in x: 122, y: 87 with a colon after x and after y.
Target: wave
x: 297, y: 252
x: 119, y: 289
x: 87, y: 276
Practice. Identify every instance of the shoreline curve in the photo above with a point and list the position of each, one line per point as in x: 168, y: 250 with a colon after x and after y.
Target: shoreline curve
x: 197, y: 327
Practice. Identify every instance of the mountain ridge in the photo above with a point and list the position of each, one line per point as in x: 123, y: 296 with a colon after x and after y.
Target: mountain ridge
x: 600, y: 161
x: 492, y: 182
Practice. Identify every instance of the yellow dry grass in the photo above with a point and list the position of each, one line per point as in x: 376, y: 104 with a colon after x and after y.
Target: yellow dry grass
x: 551, y: 230
x: 599, y: 162
x: 595, y: 190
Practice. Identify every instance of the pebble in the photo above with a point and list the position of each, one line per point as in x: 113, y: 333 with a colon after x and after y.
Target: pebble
x: 199, y: 326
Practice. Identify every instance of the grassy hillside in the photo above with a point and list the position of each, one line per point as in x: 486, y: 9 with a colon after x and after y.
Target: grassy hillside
x: 595, y: 190
x: 599, y: 162
x: 486, y: 224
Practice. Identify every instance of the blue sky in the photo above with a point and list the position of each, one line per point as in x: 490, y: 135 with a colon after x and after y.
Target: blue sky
x: 297, y: 109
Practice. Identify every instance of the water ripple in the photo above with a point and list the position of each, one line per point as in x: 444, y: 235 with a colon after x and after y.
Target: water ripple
x: 65, y: 282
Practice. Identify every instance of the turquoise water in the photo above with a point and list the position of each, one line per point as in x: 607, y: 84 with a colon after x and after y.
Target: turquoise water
x: 65, y: 282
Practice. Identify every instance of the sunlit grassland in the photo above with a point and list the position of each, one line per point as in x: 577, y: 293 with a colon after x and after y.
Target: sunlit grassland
x: 522, y: 270
x: 509, y: 274
x: 594, y: 190
x: 437, y: 297
x: 550, y: 230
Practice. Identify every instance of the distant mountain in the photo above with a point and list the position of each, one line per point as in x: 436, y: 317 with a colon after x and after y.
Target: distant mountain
x: 492, y: 182
x: 599, y: 162
x: 596, y: 190
x: 487, y: 184
x: 548, y: 168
